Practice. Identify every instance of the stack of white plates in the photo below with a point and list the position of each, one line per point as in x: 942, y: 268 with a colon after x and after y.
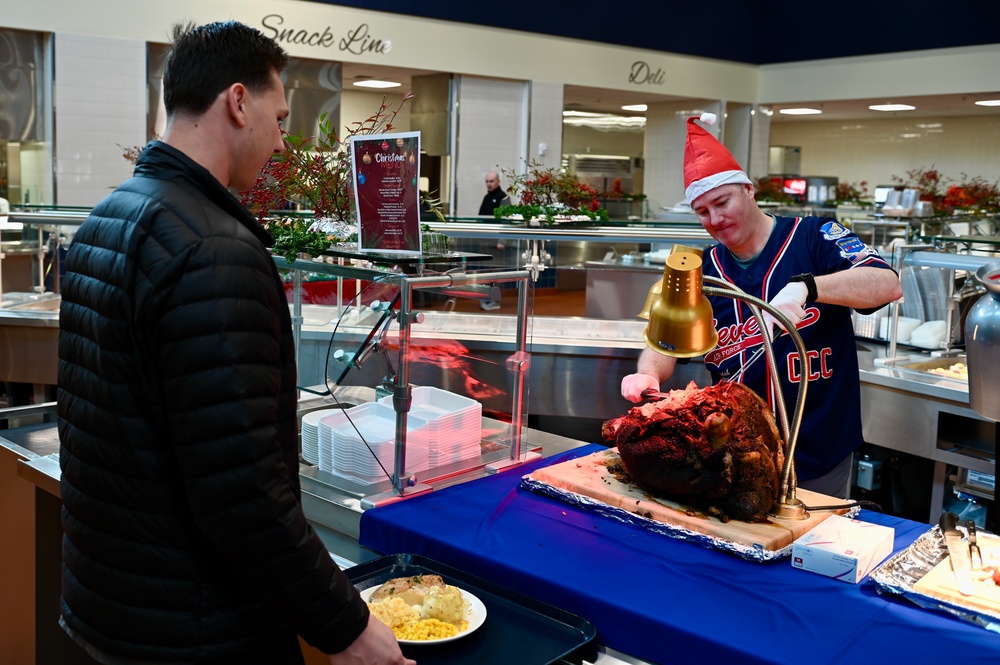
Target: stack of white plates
x: 454, y: 424
x: 360, y: 442
x: 310, y: 434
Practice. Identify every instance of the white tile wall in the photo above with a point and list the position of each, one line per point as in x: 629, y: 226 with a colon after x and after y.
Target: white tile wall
x: 760, y: 141
x: 875, y: 150
x: 666, y: 133
x: 100, y: 101
x: 492, y: 135
x: 736, y: 131
x: 36, y: 173
x: 546, y: 123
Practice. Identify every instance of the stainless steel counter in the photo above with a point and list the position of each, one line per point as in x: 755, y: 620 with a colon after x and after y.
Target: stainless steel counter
x: 617, y: 288
x: 925, y: 415
x: 29, y: 334
x: 467, y: 354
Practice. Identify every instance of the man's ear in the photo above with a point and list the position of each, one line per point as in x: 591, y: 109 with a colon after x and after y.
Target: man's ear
x: 237, y: 98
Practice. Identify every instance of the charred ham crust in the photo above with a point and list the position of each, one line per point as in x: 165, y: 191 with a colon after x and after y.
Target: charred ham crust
x: 716, y: 448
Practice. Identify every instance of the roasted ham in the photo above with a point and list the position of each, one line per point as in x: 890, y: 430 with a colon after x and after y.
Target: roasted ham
x: 715, y: 448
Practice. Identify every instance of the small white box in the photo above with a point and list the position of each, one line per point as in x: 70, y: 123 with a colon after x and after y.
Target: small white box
x: 843, y: 548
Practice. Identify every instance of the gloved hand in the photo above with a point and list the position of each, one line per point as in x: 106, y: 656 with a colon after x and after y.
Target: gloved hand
x: 634, y: 384
x: 789, y: 301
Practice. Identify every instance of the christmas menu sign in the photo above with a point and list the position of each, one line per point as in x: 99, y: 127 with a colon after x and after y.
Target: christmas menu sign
x: 386, y: 191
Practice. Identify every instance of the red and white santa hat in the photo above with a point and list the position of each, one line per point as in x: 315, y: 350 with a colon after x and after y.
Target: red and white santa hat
x: 707, y: 163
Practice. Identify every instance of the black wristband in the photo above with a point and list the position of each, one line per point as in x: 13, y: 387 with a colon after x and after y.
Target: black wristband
x: 810, y: 282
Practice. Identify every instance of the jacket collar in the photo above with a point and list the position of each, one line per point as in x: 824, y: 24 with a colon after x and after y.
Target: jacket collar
x: 159, y: 160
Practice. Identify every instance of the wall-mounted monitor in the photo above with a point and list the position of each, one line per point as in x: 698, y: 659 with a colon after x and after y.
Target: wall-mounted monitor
x: 794, y: 186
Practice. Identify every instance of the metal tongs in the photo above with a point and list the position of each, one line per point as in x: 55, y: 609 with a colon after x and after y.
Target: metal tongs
x: 975, y: 555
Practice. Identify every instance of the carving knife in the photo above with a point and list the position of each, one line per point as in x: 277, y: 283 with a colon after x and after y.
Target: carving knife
x: 961, y: 561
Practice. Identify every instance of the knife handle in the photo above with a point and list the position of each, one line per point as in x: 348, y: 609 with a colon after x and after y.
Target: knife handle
x: 949, y: 522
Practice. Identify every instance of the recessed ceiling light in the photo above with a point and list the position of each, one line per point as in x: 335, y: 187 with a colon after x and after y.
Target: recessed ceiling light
x: 800, y: 111
x: 603, y: 120
x: 892, y: 107
x: 635, y: 107
x: 375, y: 83
x: 988, y: 102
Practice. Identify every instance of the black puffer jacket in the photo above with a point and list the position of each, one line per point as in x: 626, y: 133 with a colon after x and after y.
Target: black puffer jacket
x: 184, y: 537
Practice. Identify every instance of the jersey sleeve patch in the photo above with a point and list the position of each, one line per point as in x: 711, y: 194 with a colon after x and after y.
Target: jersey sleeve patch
x: 855, y: 250
x: 833, y: 230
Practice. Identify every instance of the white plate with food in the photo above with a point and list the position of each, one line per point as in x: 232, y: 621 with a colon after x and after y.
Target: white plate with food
x: 423, y: 609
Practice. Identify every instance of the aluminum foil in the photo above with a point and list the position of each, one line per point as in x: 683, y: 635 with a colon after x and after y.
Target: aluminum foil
x: 897, y: 575
x: 748, y: 552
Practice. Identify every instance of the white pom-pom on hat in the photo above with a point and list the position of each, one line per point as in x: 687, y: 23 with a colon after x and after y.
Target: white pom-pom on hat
x: 708, y: 118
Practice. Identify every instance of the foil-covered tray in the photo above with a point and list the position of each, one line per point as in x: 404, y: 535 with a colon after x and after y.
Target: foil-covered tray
x: 748, y: 552
x: 899, y: 573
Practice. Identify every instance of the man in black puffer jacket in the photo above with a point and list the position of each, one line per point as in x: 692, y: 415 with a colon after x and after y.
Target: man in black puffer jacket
x: 184, y: 536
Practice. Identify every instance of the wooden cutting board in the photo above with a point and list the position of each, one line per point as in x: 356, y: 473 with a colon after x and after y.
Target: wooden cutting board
x: 589, y: 477
x: 940, y: 583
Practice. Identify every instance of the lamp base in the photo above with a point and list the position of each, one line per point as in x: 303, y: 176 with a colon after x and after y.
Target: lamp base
x: 790, y: 509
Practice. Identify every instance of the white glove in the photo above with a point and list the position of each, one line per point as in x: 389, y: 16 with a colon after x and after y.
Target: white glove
x: 789, y: 301
x: 634, y: 384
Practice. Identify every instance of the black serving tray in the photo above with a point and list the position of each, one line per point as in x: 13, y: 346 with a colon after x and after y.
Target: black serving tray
x: 518, y: 629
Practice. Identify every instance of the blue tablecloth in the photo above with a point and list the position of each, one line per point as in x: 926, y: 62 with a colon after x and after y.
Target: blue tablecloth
x: 668, y: 600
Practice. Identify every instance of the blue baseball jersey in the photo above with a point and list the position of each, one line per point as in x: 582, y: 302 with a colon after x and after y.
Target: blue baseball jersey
x: 831, y: 423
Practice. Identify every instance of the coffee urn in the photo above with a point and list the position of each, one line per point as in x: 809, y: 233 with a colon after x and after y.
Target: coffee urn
x: 982, y: 345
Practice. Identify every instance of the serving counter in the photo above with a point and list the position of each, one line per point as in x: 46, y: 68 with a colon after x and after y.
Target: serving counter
x: 29, y: 332
x: 652, y: 598
x: 913, y: 411
x: 641, y: 590
x: 666, y: 600
x: 618, y: 566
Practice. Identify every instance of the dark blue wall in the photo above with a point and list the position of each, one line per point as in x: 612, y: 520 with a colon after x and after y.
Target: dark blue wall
x: 750, y: 31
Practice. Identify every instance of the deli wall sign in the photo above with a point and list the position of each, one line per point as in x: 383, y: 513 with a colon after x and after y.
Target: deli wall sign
x: 358, y: 40
x: 642, y: 74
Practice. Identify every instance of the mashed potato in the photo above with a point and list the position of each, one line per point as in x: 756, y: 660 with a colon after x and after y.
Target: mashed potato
x: 445, y: 604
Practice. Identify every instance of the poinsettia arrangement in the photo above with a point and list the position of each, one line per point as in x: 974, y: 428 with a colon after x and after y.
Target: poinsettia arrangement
x: 550, y: 196
x: 616, y: 193
x: 854, y: 193
x: 315, y: 173
x: 949, y: 196
x: 972, y: 194
x: 770, y: 190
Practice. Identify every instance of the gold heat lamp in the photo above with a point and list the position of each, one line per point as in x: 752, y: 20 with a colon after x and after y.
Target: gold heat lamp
x: 681, y: 325
x: 654, y: 291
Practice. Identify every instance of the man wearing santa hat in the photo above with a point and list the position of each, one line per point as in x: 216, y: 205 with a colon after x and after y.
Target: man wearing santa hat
x: 814, y: 271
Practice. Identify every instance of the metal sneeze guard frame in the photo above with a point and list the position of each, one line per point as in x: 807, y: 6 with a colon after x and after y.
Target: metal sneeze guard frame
x: 450, y: 283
